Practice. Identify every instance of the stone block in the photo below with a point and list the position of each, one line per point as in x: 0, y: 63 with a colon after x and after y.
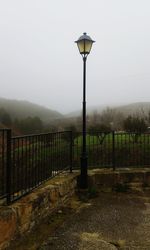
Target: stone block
x: 8, y: 225
x: 147, y: 178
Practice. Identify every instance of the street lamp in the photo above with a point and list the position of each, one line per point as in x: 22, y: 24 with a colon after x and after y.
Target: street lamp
x: 84, y: 45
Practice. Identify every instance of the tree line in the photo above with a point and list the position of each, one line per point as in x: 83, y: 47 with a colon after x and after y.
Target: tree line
x: 106, y: 121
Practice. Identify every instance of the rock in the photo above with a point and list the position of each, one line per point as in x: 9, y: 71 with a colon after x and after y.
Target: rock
x: 92, y: 241
x: 59, y: 212
x: 7, y: 225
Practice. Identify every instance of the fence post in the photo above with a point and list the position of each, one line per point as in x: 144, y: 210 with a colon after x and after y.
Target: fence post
x: 8, y: 174
x: 71, y: 150
x: 113, y: 151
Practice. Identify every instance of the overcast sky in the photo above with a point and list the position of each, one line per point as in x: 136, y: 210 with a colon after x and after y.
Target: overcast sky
x: 40, y: 62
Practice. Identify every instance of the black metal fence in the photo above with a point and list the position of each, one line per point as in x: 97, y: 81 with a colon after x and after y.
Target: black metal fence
x: 27, y: 161
x: 114, y: 149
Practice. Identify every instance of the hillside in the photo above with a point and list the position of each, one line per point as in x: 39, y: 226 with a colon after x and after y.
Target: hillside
x: 128, y: 109
x: 23, y: 109
x: 90, y: 110
x: 140, y: 108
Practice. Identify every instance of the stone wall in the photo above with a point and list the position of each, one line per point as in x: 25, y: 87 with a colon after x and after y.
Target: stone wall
x: 26, y: 213
x: 135, y: 180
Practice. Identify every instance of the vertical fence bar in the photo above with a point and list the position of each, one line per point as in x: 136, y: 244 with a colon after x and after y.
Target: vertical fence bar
x: 8, y: 175
x: 71, y: 150
x: 3, y: 163
x: 113, y: 151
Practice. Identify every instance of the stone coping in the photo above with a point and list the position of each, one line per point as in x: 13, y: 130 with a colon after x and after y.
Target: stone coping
x: 118, y: 170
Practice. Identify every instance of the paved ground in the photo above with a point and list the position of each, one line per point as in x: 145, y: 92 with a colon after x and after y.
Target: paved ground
x: 110, y: 221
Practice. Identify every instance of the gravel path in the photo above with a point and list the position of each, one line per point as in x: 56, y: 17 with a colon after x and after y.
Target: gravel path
x: 109, y: 222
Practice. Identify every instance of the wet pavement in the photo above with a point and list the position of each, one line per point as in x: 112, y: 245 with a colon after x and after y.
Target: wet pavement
x: 107, y: 222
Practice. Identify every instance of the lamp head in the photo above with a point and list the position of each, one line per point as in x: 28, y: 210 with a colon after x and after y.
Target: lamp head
x: 84, y: 44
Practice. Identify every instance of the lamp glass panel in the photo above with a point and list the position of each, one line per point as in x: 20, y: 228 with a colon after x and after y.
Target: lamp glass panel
x: 81, y: 46
x: 88, y: 46
x: 84, y: 46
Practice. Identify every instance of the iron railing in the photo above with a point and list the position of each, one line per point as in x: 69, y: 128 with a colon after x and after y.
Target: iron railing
x: 114, y: 149
x: 132, y: 150
x: 30, y: 160
x: 27, y: 161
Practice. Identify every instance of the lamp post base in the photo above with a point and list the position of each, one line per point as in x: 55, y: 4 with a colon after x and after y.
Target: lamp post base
x: 83, y: 176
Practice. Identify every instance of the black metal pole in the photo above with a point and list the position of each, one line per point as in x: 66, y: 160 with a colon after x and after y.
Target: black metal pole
x: 83, y: 176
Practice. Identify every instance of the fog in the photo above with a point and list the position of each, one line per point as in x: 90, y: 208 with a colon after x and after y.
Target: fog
x: 40, y: 62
